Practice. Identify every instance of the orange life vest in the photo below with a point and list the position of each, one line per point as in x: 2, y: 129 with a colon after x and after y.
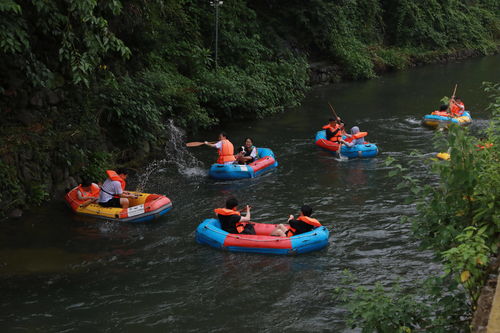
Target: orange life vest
x: 356, y: 136
x: 114, y: 176
x: 226, y: 152
x: 338, y: 136
x: 457, y: 109
x: 226, y: 212
x: 309, y: 220
x: 94, y: 191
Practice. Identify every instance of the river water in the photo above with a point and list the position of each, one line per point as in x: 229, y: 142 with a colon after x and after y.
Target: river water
x: 62, y: 273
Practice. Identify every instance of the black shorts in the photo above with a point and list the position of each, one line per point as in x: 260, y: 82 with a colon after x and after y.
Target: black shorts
x: 115, y: 202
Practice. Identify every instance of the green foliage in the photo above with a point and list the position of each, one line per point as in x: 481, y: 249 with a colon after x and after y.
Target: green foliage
x: 432, y: 305
x: 10, y: 187
x: 44, y: 38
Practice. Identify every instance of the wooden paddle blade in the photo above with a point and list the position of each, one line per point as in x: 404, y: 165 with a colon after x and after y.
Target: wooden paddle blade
x: 194, y: 144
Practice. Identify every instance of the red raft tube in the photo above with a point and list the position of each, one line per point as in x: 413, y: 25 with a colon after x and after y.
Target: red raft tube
x: 210, y: 233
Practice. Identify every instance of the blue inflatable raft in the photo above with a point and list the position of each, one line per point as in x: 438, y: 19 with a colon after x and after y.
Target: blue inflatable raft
x: 210, y: 233
x: 437, y: 119
x: 362, y: 150
x: 265, y: 162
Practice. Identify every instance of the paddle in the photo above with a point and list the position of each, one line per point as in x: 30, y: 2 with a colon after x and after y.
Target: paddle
x: 197, y: 144
x: 337, y: 118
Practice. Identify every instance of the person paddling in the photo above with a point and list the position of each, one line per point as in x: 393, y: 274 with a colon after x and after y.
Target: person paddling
x: 304, y: 223
x: 334, y: 130
x: 457, y: 107
x: 225, y: 147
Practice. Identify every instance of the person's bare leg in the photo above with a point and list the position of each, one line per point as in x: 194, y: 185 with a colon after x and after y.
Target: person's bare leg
x: 124, y: 203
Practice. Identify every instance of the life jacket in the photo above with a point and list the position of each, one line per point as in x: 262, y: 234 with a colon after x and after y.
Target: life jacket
x: 227, y: 212
x: 94, y: 191
x: 72, y: 196
x: 338, y: 136
x: 457, y: 109
x: 356, y: 136
x: 226, y: 152
x: 114, y: 176
x: 309, y: 220
x: 247, y: 153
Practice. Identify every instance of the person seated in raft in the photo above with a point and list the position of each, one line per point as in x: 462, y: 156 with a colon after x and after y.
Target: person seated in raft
x: 225, y: 149
x: 247, y: 153
x: 334, y: 129
x: 302, y: 224
x: 87, y: 192
x: 457, y: 107
x: 354, y: 138
x: 230, y: 218
x: 113, y: 192
x: 442, y: 108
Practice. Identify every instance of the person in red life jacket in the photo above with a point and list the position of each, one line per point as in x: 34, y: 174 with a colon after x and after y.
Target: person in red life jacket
x: 247, y: 153
x: 355, y: 138
x: 457, y: 107
x: 113, y: 192
x: 226, y: 149
x: 442, y: 108
x: 302, y: 224
x: 230, y: 218
x: 87, y: 192
x: 334, y: 130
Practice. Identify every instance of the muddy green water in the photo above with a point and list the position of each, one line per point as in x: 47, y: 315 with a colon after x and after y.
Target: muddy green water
x: 62, y: 273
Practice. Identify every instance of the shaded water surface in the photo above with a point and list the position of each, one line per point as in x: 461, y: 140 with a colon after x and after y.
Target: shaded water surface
x: 63, y: 273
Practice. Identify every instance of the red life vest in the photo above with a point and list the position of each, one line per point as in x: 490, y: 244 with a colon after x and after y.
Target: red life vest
x: 338, y: 136
x: 114, y: 176
x: 226, y: 152
x: 356, y: 136
x: 309, y: 220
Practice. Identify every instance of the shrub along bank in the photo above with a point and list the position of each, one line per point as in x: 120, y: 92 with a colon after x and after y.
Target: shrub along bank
x: 88, y: 84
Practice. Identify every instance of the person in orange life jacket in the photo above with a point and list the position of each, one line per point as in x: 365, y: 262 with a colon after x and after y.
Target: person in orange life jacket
x: 226, y: 149
x: 457, y: 107
x: 356, y: 141
x: 87, y: 192
x: 113, y: 192
x: 302, y: 224
x: 230, y: 217
x: 247, y: 153
x: 334, y: 129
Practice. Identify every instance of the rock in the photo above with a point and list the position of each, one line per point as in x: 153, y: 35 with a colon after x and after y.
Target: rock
x: 16, y: 213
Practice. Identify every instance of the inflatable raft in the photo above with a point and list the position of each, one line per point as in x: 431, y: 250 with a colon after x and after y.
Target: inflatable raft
x: 363, y: 150
x: 265, y: 162
x: 443, y: 119
x: 210, y: 233
x: 145, y: 208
